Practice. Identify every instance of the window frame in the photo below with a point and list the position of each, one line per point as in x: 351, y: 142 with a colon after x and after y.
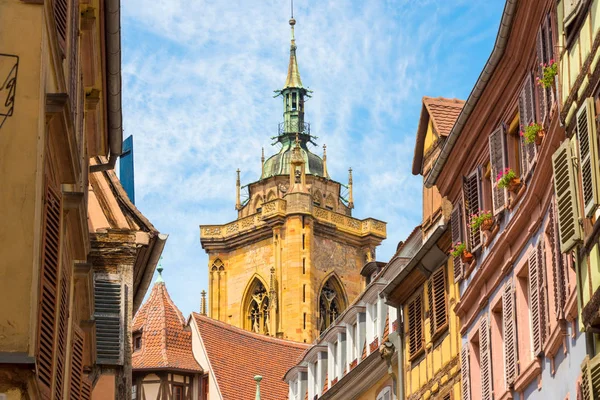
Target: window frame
x: 435, y: 330
x: 420, y: 347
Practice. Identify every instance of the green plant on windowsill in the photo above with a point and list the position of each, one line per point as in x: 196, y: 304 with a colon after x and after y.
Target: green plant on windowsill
x: 533, y: 133
x: 458, y: 249
x: 483, y: 219
x: 549, y: 71
x: 505, y: 178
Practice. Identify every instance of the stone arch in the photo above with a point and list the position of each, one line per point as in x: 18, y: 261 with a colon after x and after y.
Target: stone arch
x: 330, y: 203
x: 332, y: 301
x: 256, y: 306
x: 217, y: 265
x: 317, y: 198
x: 271, y: 195
x: 258, y: 202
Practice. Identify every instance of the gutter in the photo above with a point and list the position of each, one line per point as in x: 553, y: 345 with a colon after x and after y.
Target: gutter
x: 112, y: 17
x: 157, y: 248
x: 413, y: 263
x: 485, y: 76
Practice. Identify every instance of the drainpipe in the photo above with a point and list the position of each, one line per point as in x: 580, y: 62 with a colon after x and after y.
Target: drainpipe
x: 112, y: 17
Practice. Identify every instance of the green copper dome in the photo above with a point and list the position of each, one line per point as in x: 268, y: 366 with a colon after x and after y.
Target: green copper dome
x: 279, y: 164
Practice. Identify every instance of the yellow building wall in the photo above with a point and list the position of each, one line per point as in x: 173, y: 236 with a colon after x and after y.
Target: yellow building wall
x: 21, y: 147
x: 438, y: 369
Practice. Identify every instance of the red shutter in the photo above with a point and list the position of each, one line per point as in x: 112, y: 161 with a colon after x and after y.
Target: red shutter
x: 472, y: 197
x: 76, y: 364
x: 457, y: 236
x: 534, y: 301
x: 61, y: 10
x: 527, y: 116
x: 51, y: 237
x: 485, y: 358
x: 499, y: 162
x: 465, y: 377
x: 542, y: 291
x: 509, y: 330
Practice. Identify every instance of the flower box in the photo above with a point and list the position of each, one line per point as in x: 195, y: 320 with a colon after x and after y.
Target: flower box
x: 466, y: 257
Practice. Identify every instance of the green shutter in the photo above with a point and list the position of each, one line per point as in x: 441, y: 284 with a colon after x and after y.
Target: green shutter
x: 588, y: 155
x: 566, y: 197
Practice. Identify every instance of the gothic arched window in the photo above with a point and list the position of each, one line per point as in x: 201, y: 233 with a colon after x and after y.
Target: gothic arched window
x: 257, y: 308
x: 332, y: 302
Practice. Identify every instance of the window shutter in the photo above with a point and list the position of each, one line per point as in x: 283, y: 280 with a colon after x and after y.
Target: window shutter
x: 51, y: 242
x: 457, y: 236
x: 534, y: 302
x: 588, y: 155
x: 485, y: 357
x: 472, y: 197
x: 509, y: 330
x: 498, y: 160
x: 437, y: 300
x: 60, y: 9
x: 566, y: 197
x: 74, y: 56
x: 62, y: 331
x: 107, y: 296
x: 542, y: 291
x: 587, y: 392
x: 415, y: 325
x: 558, y: 278
x: 86, y: 389
x: 542, y: 59
x: 465, y: 377
x: 76, y: 364
x: 527, y: 116
x: 549, y: 57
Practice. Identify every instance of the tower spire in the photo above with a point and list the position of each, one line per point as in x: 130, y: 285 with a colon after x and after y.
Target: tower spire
x: 293, y: 77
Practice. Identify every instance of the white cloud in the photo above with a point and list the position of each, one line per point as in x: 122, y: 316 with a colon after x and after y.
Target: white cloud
x: 198, y: 83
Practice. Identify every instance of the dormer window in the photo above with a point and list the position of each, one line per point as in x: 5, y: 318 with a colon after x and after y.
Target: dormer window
x: 137, y: 341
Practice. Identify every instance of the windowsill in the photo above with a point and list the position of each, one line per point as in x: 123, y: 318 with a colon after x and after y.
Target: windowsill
x: 514, y: 198
x: 528, y: 375
x: 490, y: 235
x: 416, y: 358
x: 439, y: 336
x: 507, y: 395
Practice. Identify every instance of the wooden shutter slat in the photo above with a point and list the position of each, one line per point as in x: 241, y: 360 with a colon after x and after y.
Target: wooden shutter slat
x: 107, y: 313
x: 465, y: 377
x: 415, y: 325
x: 588, y: 155
x: 542, y: 292
x: 485, y: 358
x: 51, y: 239
x: 566, y: 197
x: 436, y: 287
x: 509, y: 330
x: 457, y: 236
x: 60, y: 8
x: 558, y: 272
x: 76, y: 377
x: 541, y: 56
x: 499, y: 162
x: 527, y: 116
x: 472, y: 199
x: 534, y: 302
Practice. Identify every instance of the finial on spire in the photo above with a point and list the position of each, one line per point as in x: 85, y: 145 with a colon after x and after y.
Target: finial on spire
x: 238, y: 202
x: 350, y: 196
x: 159, y: 278
x: 203, y: 302
x: 325, y: 161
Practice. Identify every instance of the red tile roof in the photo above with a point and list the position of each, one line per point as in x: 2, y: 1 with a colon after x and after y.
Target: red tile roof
x: 443, y: 112
x: 166, y: 344
x: 236, y: 356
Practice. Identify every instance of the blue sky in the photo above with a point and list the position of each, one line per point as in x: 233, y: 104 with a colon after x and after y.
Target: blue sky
x: 198, y: 81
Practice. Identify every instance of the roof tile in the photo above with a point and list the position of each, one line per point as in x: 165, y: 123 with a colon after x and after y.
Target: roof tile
x: 443, y: 112
x: 236, y: 356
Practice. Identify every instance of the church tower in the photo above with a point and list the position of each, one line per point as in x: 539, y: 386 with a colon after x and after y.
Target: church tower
x: 291, y: 261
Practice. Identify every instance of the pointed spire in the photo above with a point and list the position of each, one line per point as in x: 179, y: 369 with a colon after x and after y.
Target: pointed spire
x: 238, y: 203
x: 159, y: 278
x: 203, y: 302
x: 257, y: 378
x: 325, y: 161
x: 262, y: 157
x: 293, y: 77
x: 350, y: 196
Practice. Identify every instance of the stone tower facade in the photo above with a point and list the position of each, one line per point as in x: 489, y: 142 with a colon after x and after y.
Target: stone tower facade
x: 290, y: 263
